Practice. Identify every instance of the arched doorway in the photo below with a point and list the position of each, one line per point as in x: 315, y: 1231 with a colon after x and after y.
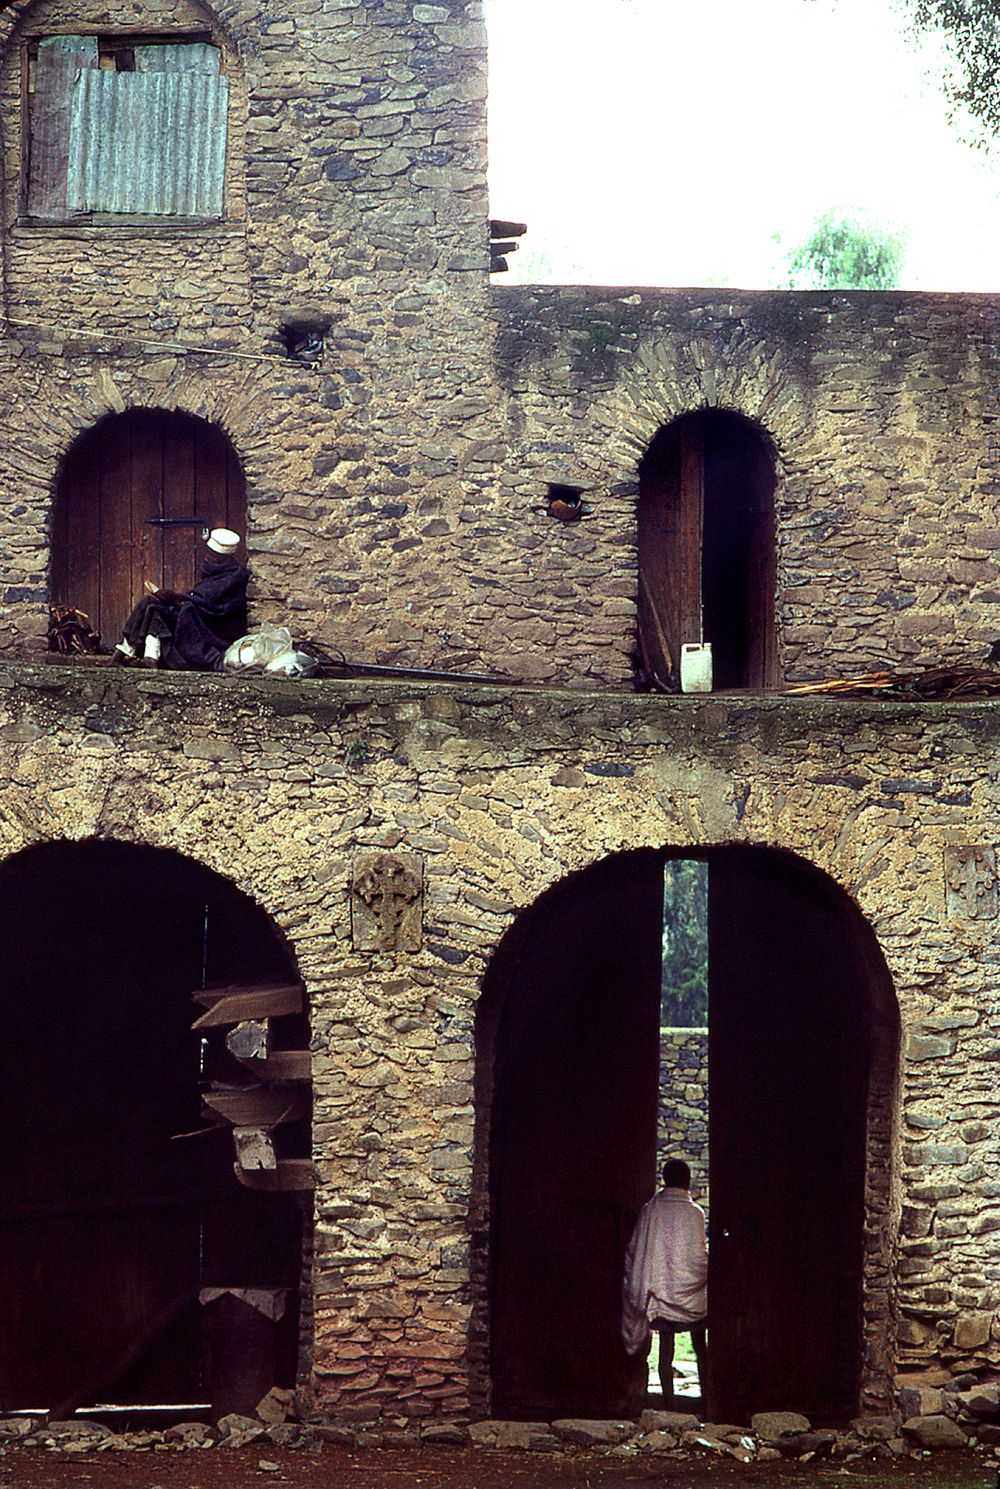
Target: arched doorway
x: 122, y: 1209
x: 134, y: 494
x: 706, y: 549
x: 802, y: 1045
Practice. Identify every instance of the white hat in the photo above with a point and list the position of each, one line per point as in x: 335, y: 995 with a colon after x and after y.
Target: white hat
x: 223, y: 540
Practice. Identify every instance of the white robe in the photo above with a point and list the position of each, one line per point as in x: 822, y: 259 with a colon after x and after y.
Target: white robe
x: 666, y: 1267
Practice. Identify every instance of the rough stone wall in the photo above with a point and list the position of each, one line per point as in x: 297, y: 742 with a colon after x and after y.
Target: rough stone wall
x: 683, y: 1115
x: 397, y: 488
x: 883, y: 410
x: 497, y: 796
x: 355, y: 191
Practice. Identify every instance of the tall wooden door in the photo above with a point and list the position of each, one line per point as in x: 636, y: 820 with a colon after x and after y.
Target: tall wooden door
x: 573, y: 1152
x: 706, y: 549
x: 126, y: 490
x: 789, y: 1044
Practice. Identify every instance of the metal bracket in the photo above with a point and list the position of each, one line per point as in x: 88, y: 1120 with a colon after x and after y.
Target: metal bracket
x: 178, y: 522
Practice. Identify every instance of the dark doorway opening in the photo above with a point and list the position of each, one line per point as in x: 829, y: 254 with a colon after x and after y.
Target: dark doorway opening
x: 802, y: 1055
x: 707, y: 549
x: 112, y: 1220
x: 126, y: 487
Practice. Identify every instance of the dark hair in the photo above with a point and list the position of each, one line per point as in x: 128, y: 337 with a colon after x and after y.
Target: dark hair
x: 676, y: 1174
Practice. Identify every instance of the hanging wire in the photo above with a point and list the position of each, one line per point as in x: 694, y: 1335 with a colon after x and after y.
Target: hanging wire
x: 92, y: 334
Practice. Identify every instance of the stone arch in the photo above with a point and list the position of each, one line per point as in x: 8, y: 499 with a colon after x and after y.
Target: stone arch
x: 132, y: 496
x: 566, y: 1103
x: 116, y: 1217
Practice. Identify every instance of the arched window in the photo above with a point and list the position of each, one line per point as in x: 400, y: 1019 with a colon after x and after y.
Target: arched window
x: 135, y: 492
x: 707, y: 549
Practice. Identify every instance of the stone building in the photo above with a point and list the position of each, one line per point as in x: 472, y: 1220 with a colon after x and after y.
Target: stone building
x: 464, y: 877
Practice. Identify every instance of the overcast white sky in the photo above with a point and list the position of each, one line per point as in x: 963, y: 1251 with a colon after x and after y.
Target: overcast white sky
x: 669, y: 141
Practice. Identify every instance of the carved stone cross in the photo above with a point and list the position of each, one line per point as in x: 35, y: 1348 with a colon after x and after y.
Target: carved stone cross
x: 970, y: 881
x: 387, y: 901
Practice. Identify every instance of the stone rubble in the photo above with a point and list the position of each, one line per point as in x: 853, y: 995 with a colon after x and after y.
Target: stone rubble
x: 953, y: 1413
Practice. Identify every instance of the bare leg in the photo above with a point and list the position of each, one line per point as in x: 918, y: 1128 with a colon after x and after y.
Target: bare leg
x: 699, y: 1343
x: 667, y: 1365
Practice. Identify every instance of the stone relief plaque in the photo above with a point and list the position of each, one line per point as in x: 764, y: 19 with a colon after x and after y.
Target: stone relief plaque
x: 970, y: 881
x: 387, y: 892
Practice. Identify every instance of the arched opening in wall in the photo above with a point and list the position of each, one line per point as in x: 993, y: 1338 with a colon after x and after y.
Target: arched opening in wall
x: 589, y: 1079
x: 706, y: 541
x: 146, y: 1260
x: 133, y: 496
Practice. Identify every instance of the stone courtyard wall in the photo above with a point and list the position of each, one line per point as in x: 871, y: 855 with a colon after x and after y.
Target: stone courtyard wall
x: 683, y: 1114
x: 496, y: 796
x: 882, y: 408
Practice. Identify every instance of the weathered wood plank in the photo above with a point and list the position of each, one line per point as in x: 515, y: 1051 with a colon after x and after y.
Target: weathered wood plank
x: 270, y: 1003
x: 57, y: 68
x: 281, y: 1066
x: 258, y: 1106
x: 209, y: 996
x: 501, y: 227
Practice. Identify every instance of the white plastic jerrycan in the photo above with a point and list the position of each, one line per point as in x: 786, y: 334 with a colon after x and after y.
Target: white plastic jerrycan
x: 696, y: 667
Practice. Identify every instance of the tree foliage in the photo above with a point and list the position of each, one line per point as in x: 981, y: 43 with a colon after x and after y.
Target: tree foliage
x: 843, y: 253
x: 684, y: 1000
x: 973, y: 30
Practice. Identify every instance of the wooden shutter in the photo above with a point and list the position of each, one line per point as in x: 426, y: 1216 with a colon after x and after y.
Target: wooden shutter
x: 58, y: 64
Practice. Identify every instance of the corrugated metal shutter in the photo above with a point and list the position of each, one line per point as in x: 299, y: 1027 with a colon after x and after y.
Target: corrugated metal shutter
x: 151, y: 141
x: 59, y: 62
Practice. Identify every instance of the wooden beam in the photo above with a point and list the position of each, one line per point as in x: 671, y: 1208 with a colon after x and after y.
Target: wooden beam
x: 278, y: 1067
x: 256, y: 1004
x: 290, y: 1174
x: 208, y: 997
x: 258, y: 1106
x: 500, y: 227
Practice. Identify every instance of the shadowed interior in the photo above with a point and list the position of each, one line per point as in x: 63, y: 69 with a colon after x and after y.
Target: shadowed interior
x: 111, y: 1220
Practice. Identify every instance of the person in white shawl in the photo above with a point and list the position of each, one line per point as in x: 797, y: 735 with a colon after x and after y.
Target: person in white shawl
x: 666, y: 1275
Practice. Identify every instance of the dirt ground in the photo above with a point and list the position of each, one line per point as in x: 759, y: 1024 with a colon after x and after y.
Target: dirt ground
x: 439, y: 1468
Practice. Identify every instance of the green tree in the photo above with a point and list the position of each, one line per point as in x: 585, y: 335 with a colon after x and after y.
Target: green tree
x: 973, y: 31
x: 843, y: 253
x: 684, y: 1000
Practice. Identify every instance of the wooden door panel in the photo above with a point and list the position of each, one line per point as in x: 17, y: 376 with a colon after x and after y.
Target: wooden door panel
x: 574, y: 1143
x: 788, y: 1060
x: 180, y: 544
x: 120, y: 478
x: 670, y: 537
